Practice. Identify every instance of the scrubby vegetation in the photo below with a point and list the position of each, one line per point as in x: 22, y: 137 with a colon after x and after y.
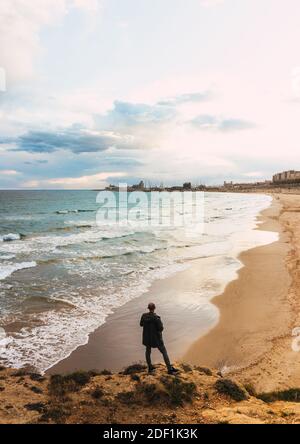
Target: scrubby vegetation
x: 187, y: 368
x: 59, y: 385
x: 204, y: 370
x: 179, y: 390
x: 97, y: 393
x: 104, y: 372
x: 56, y: 412
x: 167, y: 390
x: 37, y: 406
x: 37, y: 377
x: 127, y: 397
x: 135, y: 377
x: 250, y: 389
x: 291, y: 395
x: 134, y: 368
x: 231, y: 389
x: 20, y: 372
x: 58, y: 407
x: 194, y: 395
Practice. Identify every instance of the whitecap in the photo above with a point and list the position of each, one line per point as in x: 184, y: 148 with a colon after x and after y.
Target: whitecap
x: 4, y: 340
x: 7, y: 270
x: 10, y: 237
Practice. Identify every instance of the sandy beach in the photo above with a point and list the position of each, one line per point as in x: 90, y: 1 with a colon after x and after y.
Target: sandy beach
x: 253, y: 339
x: 183, y: 324
x: 247, y: 338
x: 250, y: 333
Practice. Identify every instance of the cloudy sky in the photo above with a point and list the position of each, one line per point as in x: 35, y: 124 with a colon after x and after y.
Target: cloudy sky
x: 106, y: 91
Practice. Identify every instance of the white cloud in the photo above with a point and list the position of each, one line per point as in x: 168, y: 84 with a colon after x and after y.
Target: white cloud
x: 9, y: 172
x: 88, y: 181
x: 211, y: 2
x: 254, y: 174
x: 87, y: 5
x: 21, y: 22
x: 246, y: 86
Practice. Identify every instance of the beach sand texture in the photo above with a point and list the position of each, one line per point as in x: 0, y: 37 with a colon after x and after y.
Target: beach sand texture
x: 258, y: 312
x: 253, y: 339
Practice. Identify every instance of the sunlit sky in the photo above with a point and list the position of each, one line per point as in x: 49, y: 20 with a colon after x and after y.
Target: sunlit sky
x: 109, y: 91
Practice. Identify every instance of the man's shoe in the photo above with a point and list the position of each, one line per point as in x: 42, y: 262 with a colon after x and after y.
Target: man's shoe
x: 151, y: 369
x: 173, y: 371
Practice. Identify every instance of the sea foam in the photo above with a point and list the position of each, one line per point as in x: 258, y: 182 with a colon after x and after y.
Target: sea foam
x: 7, y: 270
x: 10, y: 237
x: 96, y: 269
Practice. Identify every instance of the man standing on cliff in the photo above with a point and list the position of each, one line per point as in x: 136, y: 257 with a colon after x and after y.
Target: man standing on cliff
x: 152, y: 338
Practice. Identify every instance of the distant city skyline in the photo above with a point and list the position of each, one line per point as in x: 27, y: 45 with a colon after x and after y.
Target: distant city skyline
x: 94, y: 92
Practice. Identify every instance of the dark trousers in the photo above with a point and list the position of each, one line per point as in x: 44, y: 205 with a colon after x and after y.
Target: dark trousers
x: 163, y: 351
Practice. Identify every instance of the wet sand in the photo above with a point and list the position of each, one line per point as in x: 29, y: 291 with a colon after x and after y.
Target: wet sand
x: 186, y: 314
x: 253, y: 308
x: 117, y: 343
x: 259, y: 311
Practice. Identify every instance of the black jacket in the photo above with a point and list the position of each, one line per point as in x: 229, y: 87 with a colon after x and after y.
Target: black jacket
x: 152, y: 330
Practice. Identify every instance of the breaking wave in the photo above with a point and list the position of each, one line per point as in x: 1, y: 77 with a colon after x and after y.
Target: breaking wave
x: 10, y: 237
x: 7, y: 270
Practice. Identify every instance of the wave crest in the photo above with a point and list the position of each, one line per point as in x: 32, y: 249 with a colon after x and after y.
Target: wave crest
x: 10, y: 237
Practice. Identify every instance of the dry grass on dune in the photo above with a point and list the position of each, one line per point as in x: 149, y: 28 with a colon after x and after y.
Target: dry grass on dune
x: 195, y: 395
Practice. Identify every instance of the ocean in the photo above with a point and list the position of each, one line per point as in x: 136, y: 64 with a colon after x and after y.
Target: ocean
x: 62, y: 274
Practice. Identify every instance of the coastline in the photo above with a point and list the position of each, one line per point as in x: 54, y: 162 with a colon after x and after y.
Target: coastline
x: 253, y: 340
x: 279, y: 369
x: 184, y: 318
x: 106, y: 348
x: 257, y: 348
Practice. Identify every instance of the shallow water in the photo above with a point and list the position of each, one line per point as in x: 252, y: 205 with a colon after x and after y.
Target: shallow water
x: 61, y: 274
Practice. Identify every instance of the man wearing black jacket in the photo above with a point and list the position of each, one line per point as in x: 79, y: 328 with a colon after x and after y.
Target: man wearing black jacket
x: 152, y: 337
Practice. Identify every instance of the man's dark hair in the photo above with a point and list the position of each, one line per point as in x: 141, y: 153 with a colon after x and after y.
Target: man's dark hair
x: 151, y: 306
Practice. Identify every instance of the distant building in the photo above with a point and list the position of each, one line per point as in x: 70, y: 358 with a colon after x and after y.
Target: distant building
x: 139, y: 186
x: 286, y: 177
x: 112, y: 188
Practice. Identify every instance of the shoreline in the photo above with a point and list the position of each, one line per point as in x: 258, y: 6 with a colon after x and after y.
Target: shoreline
x: 104, y: 349
x: 184, y: 324
x: 26, y: 397
x: 237, y: 340
x: 253, y: 340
